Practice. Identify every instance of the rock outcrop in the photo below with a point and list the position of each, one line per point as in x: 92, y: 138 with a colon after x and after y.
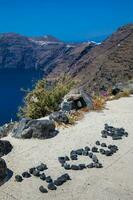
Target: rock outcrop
x: 59, y: 117
x: 76, y: 99
x: 5, y: 147
x: 41, y: 129
x: 3, y: 170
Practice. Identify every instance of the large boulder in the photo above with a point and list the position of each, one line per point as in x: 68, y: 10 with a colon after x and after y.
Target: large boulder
x: 59, y: 117
x: 76, y: 99
x: 5, y: 147
x: 41, y: 129
x: 3, y: 169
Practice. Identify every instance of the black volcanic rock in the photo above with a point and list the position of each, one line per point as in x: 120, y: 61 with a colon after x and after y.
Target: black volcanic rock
x: 5, y: 147
x: 3, y: 169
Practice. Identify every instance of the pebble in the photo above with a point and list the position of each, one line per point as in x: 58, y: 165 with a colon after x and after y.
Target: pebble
x: 87, y: 148
x: 48, y: 179
x: 74, y: 157
x: 94, y: 149
x: 31, y: 170
x: 91, y: 165
x: 103, y: 145
x: 75, y: 167
x: 18, y: 178
x: 26, y: 175
x: 43, y: 190
x: 36, y: 173
x: 79, y: 151
x: 42, y: 167
x: 43, y: 177
x: 85, y: 153
x: 97, y: 142
x: 51, y: 186
x: 102, y: 151
x: 90, y: 154
x: 67, y: 166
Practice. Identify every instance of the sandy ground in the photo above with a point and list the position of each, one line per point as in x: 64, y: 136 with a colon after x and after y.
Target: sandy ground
x: 113, y: 182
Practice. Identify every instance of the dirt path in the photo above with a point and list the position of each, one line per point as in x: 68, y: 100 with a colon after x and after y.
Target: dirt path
x: 113, y: 182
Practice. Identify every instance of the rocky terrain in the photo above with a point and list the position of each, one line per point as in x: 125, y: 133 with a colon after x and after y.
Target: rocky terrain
x: 111, y: 61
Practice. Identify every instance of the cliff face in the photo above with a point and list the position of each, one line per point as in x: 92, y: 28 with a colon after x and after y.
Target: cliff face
x: 106, y: 64
x: 16, y: 51
x: 95, y: 66
x: 47, y: 52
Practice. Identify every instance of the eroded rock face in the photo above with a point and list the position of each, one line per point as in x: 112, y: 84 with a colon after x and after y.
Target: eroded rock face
x: 41, y: 129
x: 3, y: 169
x: 5, y: 147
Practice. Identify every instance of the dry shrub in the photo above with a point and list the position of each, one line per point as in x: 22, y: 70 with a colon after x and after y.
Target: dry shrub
x: 99, y: 102
x: 42, y: 100
x: 124, y: 93
x: 75, y: 116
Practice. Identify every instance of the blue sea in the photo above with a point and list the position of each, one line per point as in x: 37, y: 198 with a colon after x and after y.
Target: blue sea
x: 12, y: 83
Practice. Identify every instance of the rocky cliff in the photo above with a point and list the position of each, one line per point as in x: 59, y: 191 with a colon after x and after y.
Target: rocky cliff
x: 94, y: 65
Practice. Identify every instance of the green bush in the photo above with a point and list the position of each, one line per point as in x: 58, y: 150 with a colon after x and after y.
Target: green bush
x: 43, y: 100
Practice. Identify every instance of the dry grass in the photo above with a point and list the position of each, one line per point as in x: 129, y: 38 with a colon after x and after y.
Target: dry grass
x: 99, y: 102
x: 124, y: 93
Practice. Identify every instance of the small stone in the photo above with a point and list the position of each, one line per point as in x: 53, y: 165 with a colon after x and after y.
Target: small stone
x: 94, y: 149
x: 74, y: 157
x: 41, y: 167
x: 18, y: 178
x: 67, y: 166
x: 90, y: 154
x: 91, y: 165
x: 61, y: 160
x: 75, y: 167
x: 36, y: 173
x: 126, y: 134
x: 43, y: 190
x: 97, y: 142
x: 26, y: 174
x: 43, y: 176
x: 108, y: 153
x: 31, y: 170
x: 94, y: 158
x: 79, y: 152
x: 85, y: 153
x: 66, y: 175
x: 58, y: 182
x: 102, y: 151
x: 67, y: 158
x: 87, y: 148
x: 51, y: 186
x: 103, y: 145
x: 98, y: 165
x: 82, y: 166
x: 116, y: 137
x: 73, y: 153
x: 49, y: 179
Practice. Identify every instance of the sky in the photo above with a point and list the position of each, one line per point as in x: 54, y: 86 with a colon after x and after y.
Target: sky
x: 68, y: 20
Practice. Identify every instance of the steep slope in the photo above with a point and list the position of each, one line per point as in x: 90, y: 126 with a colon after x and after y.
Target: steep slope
x: 95, y: 66
x: 46, y: 52
x: 105, y: 64
x: 16, y: 51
